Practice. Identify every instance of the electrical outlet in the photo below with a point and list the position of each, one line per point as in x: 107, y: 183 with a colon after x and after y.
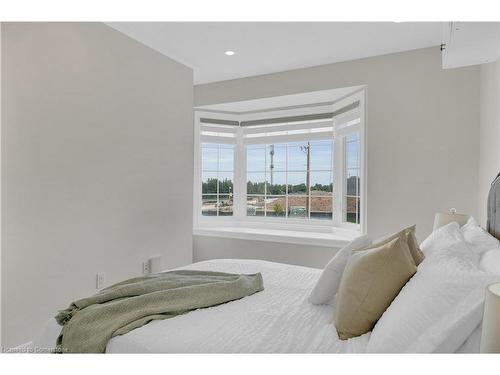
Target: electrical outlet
x: 100, y: 280
x: 146, y: 268
x: 155, y: 264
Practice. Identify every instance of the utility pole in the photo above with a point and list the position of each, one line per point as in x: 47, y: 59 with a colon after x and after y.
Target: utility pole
x: 271, y: 153
x: 307, y: 150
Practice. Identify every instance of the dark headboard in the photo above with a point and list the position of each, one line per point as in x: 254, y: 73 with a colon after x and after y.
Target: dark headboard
x: 493, y: 224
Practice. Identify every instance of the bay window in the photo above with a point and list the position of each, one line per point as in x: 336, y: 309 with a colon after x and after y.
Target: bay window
x: 301, y: 167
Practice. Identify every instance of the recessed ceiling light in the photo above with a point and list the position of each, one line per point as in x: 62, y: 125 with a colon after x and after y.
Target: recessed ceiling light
x: 229, y: 53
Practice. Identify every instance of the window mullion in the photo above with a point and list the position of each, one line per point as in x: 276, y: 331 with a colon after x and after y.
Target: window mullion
x: 338, y: 171
x: 218, y: 180
x: 308, y: 178
x: 286, y: 181
x: 239, y: 173
x: 265, y: 180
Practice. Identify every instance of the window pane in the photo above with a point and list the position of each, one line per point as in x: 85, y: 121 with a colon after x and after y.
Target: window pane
x: 256, y: 183
x: 352, y: 150
x: 209, y: 157
x: 276, y: 157
x: 225, y: 205
x: 275, y: 206
x: 255, y: 205
x: 209, y: 183
x: 297, y: 182
x: 297, y: 156
x: 225, y: 182
x: 321, y: 183
x: 352, y: 183
x: 321, y: 207
x: 353, y: 137
x: 353, y: 212
x: 209, y: 205
x: 256, y: 158
x: 276, y: 183
x: 297, y: 207
x: 226, y: 155
x: 321, y: 155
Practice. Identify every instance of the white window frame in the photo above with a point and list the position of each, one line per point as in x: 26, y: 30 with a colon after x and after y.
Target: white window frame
x: 239, y: 218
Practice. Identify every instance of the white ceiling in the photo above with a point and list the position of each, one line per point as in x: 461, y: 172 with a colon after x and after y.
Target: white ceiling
x: 269, y: 47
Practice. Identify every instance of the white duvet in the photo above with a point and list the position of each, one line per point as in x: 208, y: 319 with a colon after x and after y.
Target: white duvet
x: 435, y: 312
x: 278, y: 320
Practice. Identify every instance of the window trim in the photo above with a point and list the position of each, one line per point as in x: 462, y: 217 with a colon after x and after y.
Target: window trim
x: 239, y: 217
x: 338, y: 238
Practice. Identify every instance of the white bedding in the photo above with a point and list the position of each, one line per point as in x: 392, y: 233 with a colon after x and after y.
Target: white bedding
x: 278, y: 320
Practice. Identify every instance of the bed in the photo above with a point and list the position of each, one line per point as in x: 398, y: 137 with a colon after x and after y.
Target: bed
x: 277, y: 320
x: 280, y: 319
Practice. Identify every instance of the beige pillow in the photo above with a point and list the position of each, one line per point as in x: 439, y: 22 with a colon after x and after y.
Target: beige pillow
x: 371, y: 280
x: 417, y: 254
x: 408, y: 235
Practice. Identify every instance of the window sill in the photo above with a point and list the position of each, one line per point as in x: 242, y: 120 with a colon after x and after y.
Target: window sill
x: 334, y: 238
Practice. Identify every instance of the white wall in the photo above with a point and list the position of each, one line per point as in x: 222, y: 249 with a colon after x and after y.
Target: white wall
x: 489, y: 150
x: 208, y: 247
x: 422, y: 129
x: 97, y: 159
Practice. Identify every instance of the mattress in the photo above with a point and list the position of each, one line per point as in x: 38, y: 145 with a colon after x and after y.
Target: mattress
x: 276, y: 320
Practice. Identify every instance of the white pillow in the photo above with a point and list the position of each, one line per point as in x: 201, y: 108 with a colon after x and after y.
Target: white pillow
x: 442, y: 238
x: 438, y: 308
x: 328, y: 283
x: 480, y: 240
x: 490, y: 261
x: 450, y: 332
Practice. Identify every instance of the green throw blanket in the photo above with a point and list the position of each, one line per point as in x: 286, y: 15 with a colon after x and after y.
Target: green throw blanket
x: 89, y: 323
